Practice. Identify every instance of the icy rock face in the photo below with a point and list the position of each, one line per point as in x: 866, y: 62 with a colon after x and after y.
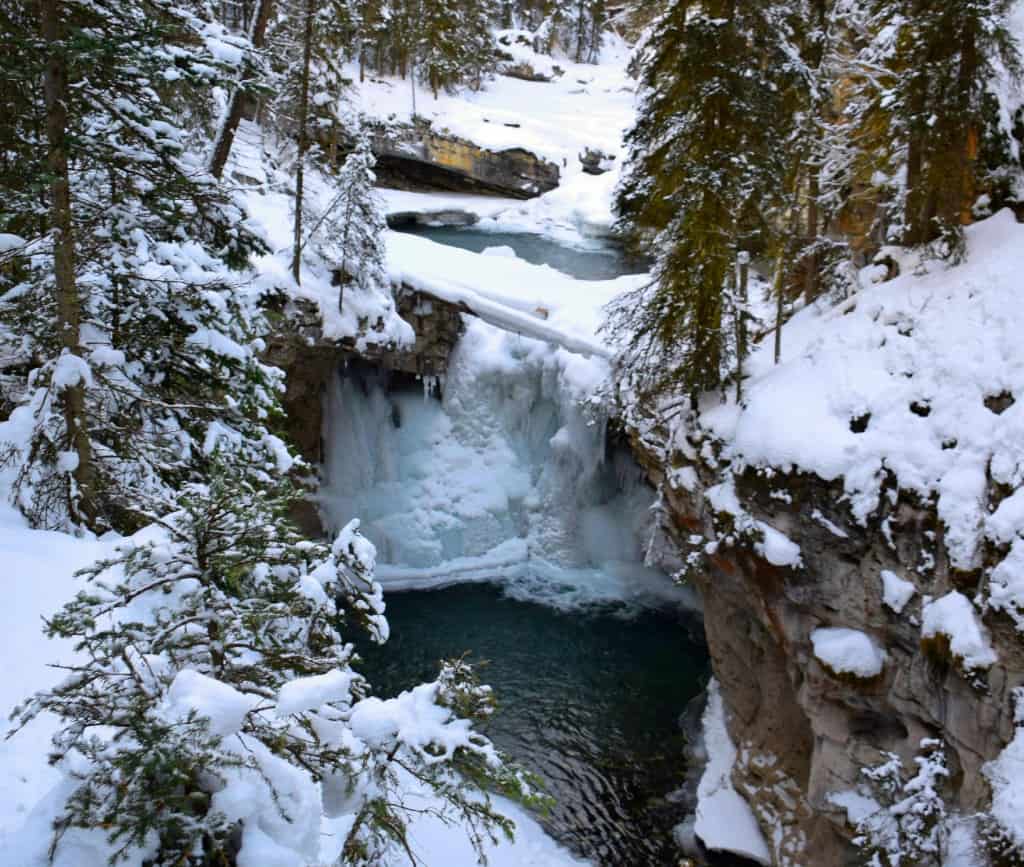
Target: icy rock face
x: 506, y: 478
x: 804, y: 732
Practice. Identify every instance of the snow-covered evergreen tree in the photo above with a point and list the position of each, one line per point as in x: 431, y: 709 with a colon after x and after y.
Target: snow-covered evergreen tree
x: 924, y: 113
x: 349, y: 235
x: 911, y: 824
x: 214, y: 669
x: 163, y: 352
x: 706, y: 180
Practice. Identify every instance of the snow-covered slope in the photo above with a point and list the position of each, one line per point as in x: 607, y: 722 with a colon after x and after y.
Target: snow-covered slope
x: 587, y: 106
x: 916, y: 377
x: 532, y: 300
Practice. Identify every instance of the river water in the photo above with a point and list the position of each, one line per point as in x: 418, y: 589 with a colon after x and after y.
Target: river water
x: 592, y: 655
x: 595, y: 261
x: 589, y: 700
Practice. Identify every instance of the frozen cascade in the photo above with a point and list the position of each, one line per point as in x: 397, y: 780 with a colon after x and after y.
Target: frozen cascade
x: 507, y: 478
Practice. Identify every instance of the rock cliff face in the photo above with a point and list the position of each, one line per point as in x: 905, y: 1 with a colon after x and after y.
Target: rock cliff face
x: 803, y: 731
x: 419, y: 157
x: 298, y: 347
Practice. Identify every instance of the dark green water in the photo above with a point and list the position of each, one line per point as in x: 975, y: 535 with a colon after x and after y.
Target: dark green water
x: 589, y: 700
x: 602, y: 262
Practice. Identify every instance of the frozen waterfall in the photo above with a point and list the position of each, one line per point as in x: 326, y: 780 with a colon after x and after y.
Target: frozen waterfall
x: 507, y: 478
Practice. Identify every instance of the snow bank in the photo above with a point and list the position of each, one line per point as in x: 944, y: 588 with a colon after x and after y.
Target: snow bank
x: 919, y: 360
x: 848, y: 651
x: 533, y: 300
x: 725, y: 821
x: 38, y: 573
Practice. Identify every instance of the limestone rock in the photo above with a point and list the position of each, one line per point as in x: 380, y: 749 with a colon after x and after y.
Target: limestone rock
x: 804, y: 732
x: 419, y: 157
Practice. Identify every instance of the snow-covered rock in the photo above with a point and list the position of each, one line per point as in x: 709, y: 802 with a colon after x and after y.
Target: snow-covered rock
x: 848, y: 651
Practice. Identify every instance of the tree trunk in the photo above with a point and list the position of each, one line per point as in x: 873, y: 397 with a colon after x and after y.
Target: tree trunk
x: 307, y: 56
x: 69, y: 305
x: 780, y: 306
x: 812, y: 279
x: 236, y: 108
x: 743, y: 266
x: 915, y: 218
x: 968, y: 155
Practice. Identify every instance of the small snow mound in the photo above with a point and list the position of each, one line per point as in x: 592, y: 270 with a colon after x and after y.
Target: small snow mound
x: 223, y: 705
x: 954, y: 617
x: 896, y: 592
x: 848, y: 651
x: 309, y: 693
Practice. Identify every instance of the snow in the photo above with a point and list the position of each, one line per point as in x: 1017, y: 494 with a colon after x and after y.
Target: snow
x: 71, y: 370
x: 1006, y: 584
x: 1006, y: 776
x: 438, y: 208
x: 270, y: 215
x: 896, y: 591
x: 954, y: 617
x: 848, y: 651
x: 9, y: 242
x: 918, y: 355
x: 777, y: 548
x: 38, y: 570
x: 725, y: 821
x: 308, y: 693
x: 589, y: 106
x: 533, y: 300
x: 223, y: 705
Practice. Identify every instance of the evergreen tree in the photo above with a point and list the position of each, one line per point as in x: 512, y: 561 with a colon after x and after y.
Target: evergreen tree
x: 706, y: 181
x: 213, y: 658
x: 923, y: 112
x: 438, y: 52
x: 163, y: 356
x: 586, y: 25
x: 350, y: 233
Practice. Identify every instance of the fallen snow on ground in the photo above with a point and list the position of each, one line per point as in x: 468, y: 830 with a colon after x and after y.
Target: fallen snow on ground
x: 588, y: 106
x: 848, y: 651
x: 928, y: 365
x: 725, y: 821
x: 38, y: 570
x: 532, y: 300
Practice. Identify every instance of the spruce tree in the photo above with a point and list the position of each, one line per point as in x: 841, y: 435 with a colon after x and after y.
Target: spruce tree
x: 349, y: 235
x: 167, y: 360
x: 215, y: 662
x: 438, y: 49
x: 706, y: 180
x: 923, y: 111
